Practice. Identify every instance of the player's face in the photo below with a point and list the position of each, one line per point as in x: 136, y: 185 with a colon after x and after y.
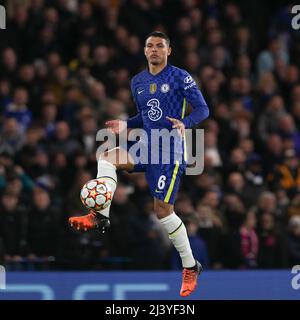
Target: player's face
x: 157, y: 51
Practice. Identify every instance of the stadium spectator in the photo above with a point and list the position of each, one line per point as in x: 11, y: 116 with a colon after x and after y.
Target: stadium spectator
x: 241, y: 246
x: 287, y: 174
x: 43, y: 226
x: 269, y: 119
x: 13, y: 226
x: 266, y: 59
x: 294, y: 206
x: 272, y: 245
x: 11, y: 135
x: 210, y: 229
x: 294, y: 240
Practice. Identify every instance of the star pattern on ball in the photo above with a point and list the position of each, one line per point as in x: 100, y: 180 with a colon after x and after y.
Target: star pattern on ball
x: 92, y: 194
x: 108, y: 196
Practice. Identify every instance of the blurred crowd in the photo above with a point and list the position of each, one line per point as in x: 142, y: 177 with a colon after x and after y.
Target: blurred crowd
x: 65, y: 68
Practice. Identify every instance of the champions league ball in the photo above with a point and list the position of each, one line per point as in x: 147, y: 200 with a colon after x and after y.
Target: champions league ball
x: 96, y: 194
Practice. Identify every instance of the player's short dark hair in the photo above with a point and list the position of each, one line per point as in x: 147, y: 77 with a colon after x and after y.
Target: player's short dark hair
x: 159, y: 34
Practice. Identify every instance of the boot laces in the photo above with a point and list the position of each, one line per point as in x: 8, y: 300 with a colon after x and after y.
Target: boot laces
x: 188, y: 275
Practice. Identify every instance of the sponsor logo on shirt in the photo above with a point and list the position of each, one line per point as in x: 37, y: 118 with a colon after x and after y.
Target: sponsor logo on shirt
x: 190, y: 85
x: 188, y: 79
x: 155, y: 111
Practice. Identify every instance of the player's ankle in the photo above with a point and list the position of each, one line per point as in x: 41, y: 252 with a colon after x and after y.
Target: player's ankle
x: 99, y: 215
x: 193, y: 267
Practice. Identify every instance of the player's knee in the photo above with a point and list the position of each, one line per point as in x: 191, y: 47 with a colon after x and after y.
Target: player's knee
x: 103, y: 156
x: 107, y: 157
x: 162, y: 209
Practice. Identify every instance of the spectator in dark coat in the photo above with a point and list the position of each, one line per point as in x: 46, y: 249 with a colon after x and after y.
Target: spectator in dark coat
x: 43, y: 225
x: 293, y: 241
x: 13, y: 228
x: 241, y: 246
x: 272, y: 249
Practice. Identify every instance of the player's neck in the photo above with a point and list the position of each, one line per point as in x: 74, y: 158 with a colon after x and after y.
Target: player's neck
x: 155, y: 69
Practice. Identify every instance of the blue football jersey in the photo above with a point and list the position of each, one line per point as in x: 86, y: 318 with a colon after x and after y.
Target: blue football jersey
x: 166, y: 95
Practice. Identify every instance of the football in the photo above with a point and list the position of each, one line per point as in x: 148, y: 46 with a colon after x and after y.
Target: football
x: 96, y: 194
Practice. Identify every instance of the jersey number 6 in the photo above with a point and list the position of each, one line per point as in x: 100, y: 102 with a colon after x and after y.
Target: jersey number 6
x: 161, y: 182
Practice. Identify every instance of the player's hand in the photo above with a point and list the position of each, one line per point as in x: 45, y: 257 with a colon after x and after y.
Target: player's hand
x: 177, y: 124
x: 116, y: 126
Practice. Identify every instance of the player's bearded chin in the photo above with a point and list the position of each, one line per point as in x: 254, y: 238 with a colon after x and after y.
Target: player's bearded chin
x: 155, y: 61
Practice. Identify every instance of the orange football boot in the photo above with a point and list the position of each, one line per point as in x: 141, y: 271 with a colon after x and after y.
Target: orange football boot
x: 189, y: 279
x: 92, y: 220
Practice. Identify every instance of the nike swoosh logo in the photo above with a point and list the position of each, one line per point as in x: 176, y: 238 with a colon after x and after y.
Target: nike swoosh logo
x: 159, y: 191
x: 140, y: 91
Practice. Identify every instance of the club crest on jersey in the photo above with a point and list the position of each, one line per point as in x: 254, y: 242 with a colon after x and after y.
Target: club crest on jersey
x: 153, y: 88
x: 165, y: 88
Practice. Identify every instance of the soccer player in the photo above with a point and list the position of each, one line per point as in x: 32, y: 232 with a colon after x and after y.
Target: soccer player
x: 160, y: 93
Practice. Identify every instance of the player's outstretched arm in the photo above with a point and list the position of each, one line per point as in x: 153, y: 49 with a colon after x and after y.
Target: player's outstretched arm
x: 116, y: 126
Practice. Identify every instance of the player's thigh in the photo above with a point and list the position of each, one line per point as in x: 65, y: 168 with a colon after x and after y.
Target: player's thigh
x: 119, y: 157
x: 164, y: 181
